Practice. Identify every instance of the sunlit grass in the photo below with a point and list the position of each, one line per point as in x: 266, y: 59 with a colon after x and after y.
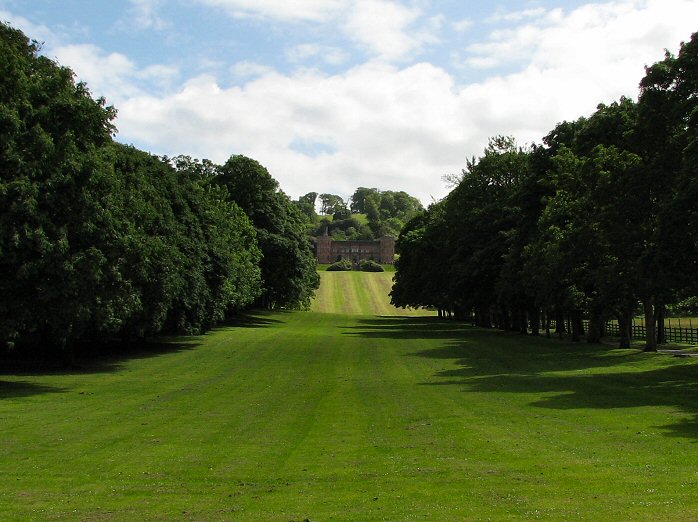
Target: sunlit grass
x: 327, y: 416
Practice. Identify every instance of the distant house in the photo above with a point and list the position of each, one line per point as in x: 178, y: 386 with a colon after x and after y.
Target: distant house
x: 381, y: 250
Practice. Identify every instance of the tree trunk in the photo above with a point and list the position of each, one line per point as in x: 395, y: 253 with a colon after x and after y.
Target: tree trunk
x: 514, y: 324
x: 595, y: 328
x: 624, y: 328
x: 559, y: 322
x: 650, y: 324
x: 661, y: 313
x: 575, y: 321
x: 535, y: 320
x: 523, y: 321
x: 503, y: 320
x: 484, y: 317
x: 578, y: 318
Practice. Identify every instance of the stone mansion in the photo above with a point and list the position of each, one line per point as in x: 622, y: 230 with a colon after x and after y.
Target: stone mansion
x: 381, y: 250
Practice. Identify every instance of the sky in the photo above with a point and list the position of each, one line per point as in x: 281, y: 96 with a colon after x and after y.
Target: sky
x: 331, y: 95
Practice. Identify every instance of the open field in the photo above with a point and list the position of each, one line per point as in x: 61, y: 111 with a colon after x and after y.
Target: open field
x: 325, y: 416
x: 363, y: 293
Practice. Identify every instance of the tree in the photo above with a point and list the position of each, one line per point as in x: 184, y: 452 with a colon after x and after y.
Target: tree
x: 331, y: 204
x: 288, y: 264
x: 191, y: 255
x: 361, y: 197
x: 306, y: 204
x: 591, y: 241
x: 386, y: 211
x: 668, y: 122
x: 54, y: 275
x: 422, y: 269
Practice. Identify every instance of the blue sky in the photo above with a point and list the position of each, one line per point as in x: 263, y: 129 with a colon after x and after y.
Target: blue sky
x: 334, y: 94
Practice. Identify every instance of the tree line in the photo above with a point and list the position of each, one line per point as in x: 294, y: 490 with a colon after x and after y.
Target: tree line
x: 385, y: 211
x: 99, y: 238
x: 599, y: 221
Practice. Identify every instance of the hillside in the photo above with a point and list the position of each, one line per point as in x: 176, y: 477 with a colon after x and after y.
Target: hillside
x: 358, y: 293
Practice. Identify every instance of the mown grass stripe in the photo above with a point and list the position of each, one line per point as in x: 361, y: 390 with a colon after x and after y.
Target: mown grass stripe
x: 288, y: 416
x: 364, y: 293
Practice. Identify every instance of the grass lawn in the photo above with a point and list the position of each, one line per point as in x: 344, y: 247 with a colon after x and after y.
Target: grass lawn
x: 355, y: 292
x: 353, y: 416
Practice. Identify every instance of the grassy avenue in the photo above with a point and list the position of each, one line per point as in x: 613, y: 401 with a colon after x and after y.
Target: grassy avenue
x: 353, y: 411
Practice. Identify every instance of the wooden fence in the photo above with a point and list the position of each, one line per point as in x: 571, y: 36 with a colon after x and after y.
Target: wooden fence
x: 676, y: 330
x: 676, y: 333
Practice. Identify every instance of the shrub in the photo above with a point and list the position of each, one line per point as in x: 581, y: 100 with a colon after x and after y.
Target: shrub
x: 368, y: 265
x: 340, y: 266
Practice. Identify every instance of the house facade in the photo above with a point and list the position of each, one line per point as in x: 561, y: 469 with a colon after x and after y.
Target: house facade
x: 329, y: 251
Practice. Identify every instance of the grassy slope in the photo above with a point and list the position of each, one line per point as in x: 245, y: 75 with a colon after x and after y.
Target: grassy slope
x: 348, y: 417
x: 356, y: 292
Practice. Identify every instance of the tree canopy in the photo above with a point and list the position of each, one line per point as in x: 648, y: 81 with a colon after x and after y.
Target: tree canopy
x: 599, y: 218
x: 101, y: 238
x: 288, y: 265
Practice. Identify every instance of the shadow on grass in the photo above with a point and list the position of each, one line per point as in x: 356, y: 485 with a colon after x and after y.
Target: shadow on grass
x: 109, y: 355
x: 571, y: 375
x: 258, y: 319
x: 17, y: 389
x: 96, y: 356
x: 395, y: 327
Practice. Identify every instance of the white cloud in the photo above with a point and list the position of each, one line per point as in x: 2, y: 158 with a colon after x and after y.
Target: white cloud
x: 161, y: 75
x: 144, y: 15
x: 327, y: 54
x: 297, y: 10
x: 247, y: 69
x: 375, y: 125
x: 114, y: 75
x: 516, y: 16
x: 381, y: 125
x: 391, y: 127
x: 626, y: 34
x: 462, y: 26
x: 110, y: 73
x: 386, y: 28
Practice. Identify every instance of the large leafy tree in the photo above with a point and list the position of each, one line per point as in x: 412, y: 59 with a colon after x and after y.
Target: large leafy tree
x: 602, y: 216
x: 288, y: 266
x: 422, y: 275
x: 668, y: 122
x: 97, y: 237
x: 589, y: 240
x: 481, y: 217
x: 387, y: 211
x: 332, y: 204
x: 192, y: 255
x: 55, y: 277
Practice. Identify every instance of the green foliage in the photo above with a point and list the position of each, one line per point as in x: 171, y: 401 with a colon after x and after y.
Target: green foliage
x: 344, y: 229
x: 331, y: 204
x: 306, y: 204
x: 340, y: 266
x: 685, y: 308
x: 386, y: 211
x: 99, y: 238
x: 55, y: 278
x: 601, y: 217
x: 368, y: 265
x: 288, y: 263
